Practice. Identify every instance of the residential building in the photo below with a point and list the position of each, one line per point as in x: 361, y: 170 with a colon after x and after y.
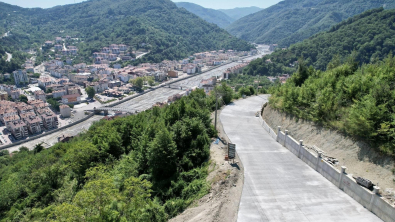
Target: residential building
x: 50, y: 120
x: 172, y: 74
x: 208, y: 84
x: 24, y: 108
x: 44, y: 82
x: 48, y: 43
x: 65, y: 111
x: 3, y: 95
x: 73, y: 90
x: 9, y: 119
x: 18, y: 129
x: 79, y: 78
x: 70, y: 99
x: 58, y: 47
x: 59, y: 93
x: 15, y: 94
x: 113, y: 84
x: 35, y: 124
x: 20, y: 77
x: 40, y: 95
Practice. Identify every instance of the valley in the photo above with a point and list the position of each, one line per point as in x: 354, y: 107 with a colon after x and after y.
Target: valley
x: 154, y: 110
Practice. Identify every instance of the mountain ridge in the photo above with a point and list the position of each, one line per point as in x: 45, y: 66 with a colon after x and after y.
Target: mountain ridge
x: 292, y: 21
x: 172, y: 32
x: 240, y: 12
x: 209, y: 15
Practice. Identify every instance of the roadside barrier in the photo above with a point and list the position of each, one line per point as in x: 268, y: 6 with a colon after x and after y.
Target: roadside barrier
x: 370, y: 200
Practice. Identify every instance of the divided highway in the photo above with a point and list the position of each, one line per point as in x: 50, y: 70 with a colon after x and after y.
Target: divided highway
x: 278, y: 186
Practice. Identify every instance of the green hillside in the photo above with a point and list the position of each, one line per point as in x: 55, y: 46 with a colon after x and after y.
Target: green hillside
x: 145, y: 167
x: 238, y: 13
x: 369, y: 37
x: 209, y: 15
x: 172, y: 33
x: 291, y: 21
x: 358, y: 101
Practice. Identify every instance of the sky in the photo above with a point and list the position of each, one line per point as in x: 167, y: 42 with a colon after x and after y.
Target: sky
x: 216, y: 4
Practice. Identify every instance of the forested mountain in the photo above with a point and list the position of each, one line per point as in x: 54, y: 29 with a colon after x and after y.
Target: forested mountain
x: 365, y: 38
x: 171, y: 32
x: 291, y: 21
x: 210, y: 15
x: 238, y: 13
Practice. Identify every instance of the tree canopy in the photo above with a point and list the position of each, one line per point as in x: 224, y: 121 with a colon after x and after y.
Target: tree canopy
x: 167, y: 31
x: 90, y: 91
x: 365, y: 38
x: 356, y: 100
x: 292, y: 21
x: 144, y: 167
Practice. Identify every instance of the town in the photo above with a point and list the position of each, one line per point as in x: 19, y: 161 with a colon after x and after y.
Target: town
x: 53, y: 94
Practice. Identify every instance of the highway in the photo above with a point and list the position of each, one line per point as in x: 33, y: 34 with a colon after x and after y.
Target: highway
x: 278, y: 186
x: 161, y: 94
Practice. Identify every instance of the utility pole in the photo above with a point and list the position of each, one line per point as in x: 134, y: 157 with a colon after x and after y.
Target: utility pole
x: 216, y: 108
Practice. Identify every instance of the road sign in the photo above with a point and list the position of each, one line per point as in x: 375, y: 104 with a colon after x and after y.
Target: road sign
x: 232, y: 150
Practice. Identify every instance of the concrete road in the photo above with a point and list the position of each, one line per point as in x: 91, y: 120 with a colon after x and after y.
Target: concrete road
x: 9, y: 57
x: 278, y: 186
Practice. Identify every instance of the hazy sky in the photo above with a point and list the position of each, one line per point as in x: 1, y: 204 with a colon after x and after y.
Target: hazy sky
x: 216, y: 4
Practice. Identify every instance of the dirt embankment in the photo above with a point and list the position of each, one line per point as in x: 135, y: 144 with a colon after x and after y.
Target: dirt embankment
x: 359, y: 158
x: 226, y: 178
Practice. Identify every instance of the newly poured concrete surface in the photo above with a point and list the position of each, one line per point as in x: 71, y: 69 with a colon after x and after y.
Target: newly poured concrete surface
x: 277, y: 185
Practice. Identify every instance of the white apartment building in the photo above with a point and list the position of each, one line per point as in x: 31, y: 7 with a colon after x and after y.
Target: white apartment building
x: 20, y: 77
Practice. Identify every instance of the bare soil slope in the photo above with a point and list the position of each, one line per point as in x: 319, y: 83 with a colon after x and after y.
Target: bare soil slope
x: 359, y: 158
x: 222, y: 203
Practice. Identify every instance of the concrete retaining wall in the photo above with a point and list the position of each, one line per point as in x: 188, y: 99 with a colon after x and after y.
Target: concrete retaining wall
x: 370, y: 200
x: 47, y: 133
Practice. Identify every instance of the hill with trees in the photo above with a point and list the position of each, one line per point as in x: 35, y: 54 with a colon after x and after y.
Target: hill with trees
x: 209, y: 15
x: 240, y: 12
x: 167, y: 31
x: 358, y: 101
x: 144, y: 167
x: 292, y: 21
x: 365, y: 38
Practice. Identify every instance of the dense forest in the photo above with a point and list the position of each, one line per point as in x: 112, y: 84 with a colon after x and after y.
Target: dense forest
x: 145, y: 167
x: 292, y: 21
x: 356, y: 100
x: 170, y: 32
x: 367, y: 37
x: 210, y: 15
x: 18, y: 58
